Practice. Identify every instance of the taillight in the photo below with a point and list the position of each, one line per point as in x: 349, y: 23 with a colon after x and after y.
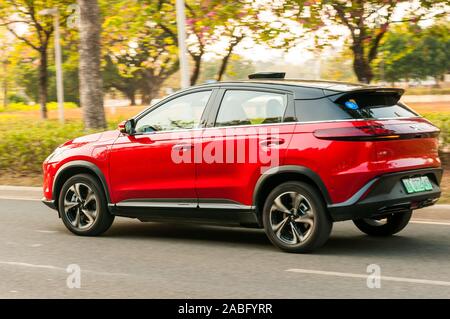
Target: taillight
x: 378, y: 132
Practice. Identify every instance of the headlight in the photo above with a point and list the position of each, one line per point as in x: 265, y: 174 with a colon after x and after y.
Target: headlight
x: 56, y: 152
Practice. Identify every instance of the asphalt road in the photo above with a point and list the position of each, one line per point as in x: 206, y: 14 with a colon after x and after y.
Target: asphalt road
x: 153, y: 260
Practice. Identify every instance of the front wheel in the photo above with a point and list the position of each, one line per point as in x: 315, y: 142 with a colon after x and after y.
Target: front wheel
x: 83, y: 206
x: 386, y: 226
x: 295, y: 218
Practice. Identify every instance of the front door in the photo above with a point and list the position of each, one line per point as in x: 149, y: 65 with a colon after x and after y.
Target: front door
x: 146, y: 166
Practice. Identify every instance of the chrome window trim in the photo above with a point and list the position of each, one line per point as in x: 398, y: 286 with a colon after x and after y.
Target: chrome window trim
x: 281, y: 123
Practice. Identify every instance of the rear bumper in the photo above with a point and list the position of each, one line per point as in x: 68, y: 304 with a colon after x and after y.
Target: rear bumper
x: 386, y: 194
x: 49, y: 203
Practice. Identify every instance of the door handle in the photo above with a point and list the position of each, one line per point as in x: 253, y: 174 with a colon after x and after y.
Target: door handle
x: 272, y: 142
x: 182, y: 147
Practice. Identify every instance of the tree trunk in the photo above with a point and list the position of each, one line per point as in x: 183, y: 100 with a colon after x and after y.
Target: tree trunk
x: 131, y: 95
x: 5, y: 86
x: 91, y: 86
x: 361, y: 65
x: 436, y: 81
x: 223, y: 66
x: 196, y: 71
x: 146, y: 99
x: 43, y: 82
x: 226, y: 59
x: 148, y: 95
x: 150, y: 90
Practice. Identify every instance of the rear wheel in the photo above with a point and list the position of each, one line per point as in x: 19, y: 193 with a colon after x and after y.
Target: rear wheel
x: 295, y: 218
x: 83, y: 206
x: 385, y: 226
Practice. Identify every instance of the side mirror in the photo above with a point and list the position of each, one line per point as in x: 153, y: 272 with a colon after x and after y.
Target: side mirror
x: 126, y: 127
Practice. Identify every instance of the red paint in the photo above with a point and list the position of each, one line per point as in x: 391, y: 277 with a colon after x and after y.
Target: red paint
x: 141, y: 166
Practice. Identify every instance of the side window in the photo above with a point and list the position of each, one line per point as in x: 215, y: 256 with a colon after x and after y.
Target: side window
x: 357, y: 106
x: 180, y: 113
x: 319, y: 110
x: 240, y: 107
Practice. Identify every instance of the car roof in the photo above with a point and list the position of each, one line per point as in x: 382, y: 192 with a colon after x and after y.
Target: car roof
x: 302, y: 89
x: 338, y: 86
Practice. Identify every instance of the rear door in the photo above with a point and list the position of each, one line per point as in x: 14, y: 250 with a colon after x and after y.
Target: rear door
x: 247, y: 135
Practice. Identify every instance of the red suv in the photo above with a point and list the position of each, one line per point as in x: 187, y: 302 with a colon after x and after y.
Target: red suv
x: 288, y: 156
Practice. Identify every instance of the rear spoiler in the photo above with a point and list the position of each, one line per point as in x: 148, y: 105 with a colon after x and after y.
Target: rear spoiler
x: 395, y: 92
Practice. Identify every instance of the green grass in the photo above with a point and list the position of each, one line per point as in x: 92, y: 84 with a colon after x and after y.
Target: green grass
x: 441, y: 120
x: 26, y: 142
x: 22, y: 107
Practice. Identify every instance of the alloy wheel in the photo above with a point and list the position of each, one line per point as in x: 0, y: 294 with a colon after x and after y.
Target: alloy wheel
x: 81, y: 206
x: 376, y: 222
x: 292, y: 218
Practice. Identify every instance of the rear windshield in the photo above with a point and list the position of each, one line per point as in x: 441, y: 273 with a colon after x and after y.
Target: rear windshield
x: 358, y: 106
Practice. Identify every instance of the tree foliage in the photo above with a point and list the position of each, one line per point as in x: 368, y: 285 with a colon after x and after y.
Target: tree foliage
x: 410, y: 52
x: 366, y: 21
x: 15, y: 14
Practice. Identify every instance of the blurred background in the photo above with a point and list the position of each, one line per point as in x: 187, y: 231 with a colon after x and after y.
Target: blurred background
x: 128, y: 54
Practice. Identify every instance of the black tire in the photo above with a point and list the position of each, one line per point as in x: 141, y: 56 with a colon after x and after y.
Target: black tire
x: 103, y: 218
x: 313, y: 236
x: 392, y: 224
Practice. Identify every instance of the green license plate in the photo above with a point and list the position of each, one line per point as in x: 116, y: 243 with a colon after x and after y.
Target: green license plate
x: 417, y: 184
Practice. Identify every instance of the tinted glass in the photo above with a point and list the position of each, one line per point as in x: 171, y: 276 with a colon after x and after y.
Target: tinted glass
x: 183, y: 112
x: 362, y: 106
x: 240, y: 107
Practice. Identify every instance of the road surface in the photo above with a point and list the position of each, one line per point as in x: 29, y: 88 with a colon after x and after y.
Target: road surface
x: 155, y: 260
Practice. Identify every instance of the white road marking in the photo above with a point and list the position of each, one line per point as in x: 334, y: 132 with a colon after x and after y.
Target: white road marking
x: 14, y: 263
x: 47, y: 231
x: 430, y: 222
x: 50, y: 267
x: 20, y: 198
x: 385, y: 278
x: 20, y: 188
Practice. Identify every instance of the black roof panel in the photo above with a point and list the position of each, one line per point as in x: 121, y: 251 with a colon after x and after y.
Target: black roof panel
x: 302, y: 89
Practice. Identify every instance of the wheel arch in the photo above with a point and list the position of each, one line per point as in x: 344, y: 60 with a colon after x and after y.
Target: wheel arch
x: 78, y: 167
x: 277, y: 175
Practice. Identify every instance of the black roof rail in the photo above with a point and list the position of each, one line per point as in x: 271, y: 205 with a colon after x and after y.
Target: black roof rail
x: 267, y: 75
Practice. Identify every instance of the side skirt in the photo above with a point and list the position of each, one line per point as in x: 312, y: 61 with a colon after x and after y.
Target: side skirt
x: 187, y: 211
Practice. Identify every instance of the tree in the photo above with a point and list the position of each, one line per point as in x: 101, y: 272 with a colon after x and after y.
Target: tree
x: 5, y: 53
x: 38, y: 30
x: 396, y: 61
x: 126, y: 82
x: 338, y: 67
x: 208, y: 22
x: 367, y: 22
x: 91, y: 86
x: 434, y: 51
x: 237, y: 69
x: 141, y: 57
x: 410, y: 52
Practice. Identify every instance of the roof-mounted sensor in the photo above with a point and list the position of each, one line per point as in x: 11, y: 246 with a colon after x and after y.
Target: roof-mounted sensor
x: 267, y: 75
